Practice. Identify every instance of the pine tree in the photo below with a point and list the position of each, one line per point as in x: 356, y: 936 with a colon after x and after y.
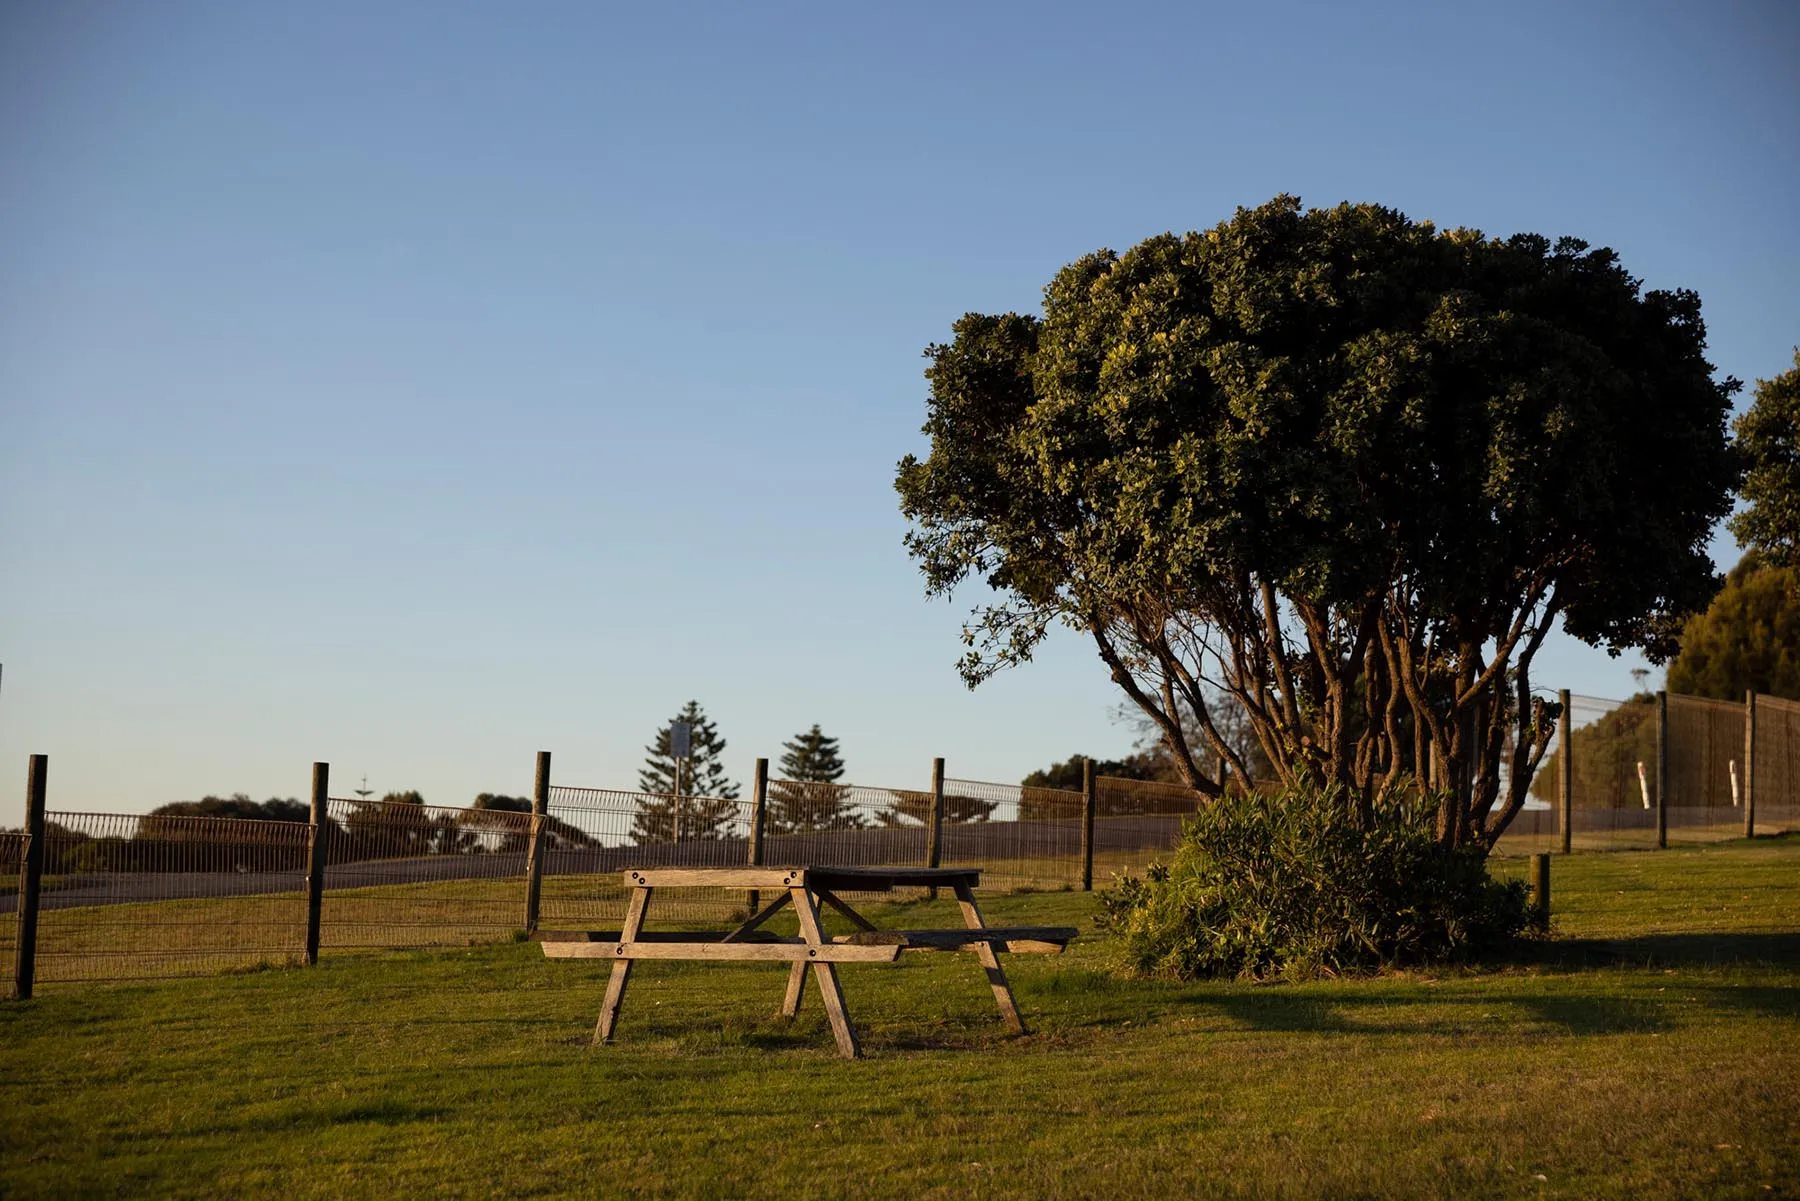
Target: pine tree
x: 808, y: 797
x: 704, y: 806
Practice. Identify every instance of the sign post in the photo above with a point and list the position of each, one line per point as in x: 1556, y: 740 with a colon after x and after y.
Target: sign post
x: 681, y: 746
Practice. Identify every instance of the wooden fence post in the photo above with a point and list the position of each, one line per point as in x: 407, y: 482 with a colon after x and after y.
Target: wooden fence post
x: 1750, y: 764
x: 1087, y: 825
x: 1565, y: 774
x: 759, y: 806
x: 1662, y: 770
x: 934, y: 837
x: 534, y: 862
x: 934, y: 830
x: 316, y: 851
x: 1540, y: 891
x: 31, y: 877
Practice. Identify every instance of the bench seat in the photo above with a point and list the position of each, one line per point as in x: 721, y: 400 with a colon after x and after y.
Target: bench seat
x: 1028, y: 940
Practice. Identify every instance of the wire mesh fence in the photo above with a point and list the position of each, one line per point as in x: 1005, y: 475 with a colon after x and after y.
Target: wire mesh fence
x: 129, y: 897
x: 415, y: 875
x: 1616, y: 764
x: 1777, y: 796
x: 593, y: 834
x: 1706, y: 753
x: 1136, y: 822
x: 12, y: 855
x: 1020, y: 837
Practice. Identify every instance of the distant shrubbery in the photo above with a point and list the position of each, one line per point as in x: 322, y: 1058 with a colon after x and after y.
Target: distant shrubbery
x: 1289, y: 885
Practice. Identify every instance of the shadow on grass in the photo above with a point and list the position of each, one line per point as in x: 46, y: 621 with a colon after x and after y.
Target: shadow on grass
x: 1663, y: 950
x: 1454, y: 1014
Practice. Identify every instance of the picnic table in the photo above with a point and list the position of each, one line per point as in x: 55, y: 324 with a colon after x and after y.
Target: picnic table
x: 804, y: 888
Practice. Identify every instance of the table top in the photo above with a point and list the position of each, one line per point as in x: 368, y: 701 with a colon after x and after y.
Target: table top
x: 849, y: 877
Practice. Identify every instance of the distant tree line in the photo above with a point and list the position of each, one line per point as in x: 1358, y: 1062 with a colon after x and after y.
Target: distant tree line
x: 214, y: 834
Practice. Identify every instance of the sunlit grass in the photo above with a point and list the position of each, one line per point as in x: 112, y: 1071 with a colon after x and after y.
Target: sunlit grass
x: 1651, y: 1049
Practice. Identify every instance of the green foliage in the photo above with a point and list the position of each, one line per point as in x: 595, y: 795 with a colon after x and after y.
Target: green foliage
x: 808, y: 796
x: 1768, y: 436
x: 239, y: 805
x: 692, y: 801
x: 1748, y: 638
x: 1139, y: 765
x: 504, y: 804
x: 913, y: 808
x: 1287, y: 884
x: 1349, y: 466
x: 399, y: 826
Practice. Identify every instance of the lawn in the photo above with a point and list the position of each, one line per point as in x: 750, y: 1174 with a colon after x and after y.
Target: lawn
x: 1651, y: 1049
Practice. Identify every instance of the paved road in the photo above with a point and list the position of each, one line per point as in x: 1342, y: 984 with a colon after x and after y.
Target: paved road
x: 976, y: 842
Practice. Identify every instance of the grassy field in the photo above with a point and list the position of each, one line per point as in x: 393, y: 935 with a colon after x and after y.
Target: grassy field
x: 1651, y: 1049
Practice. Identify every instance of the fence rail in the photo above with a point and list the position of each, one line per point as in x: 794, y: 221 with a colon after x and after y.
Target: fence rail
x: 126, y: 897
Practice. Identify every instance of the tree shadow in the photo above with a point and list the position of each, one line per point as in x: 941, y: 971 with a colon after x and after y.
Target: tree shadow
x: 1457, y: 1013
x: 1663, y: 950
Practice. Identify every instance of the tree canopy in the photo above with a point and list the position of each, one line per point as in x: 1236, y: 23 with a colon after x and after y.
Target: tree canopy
x: 1067, y: 775
x: 239, y: 805
x: 1769, y: 438
x: 1748, y: 638
x: 1344, y: 467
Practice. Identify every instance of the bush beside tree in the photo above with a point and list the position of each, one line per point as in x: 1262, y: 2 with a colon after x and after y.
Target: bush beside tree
x: 1290, y: 885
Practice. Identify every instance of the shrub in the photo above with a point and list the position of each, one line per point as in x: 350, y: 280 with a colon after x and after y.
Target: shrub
x: 1289, y: 885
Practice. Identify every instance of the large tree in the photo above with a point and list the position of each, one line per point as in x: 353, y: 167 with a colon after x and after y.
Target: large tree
x: 1069, y: 774
x: 1342, y: 466
x: 808, y: 795
x: 694, y: 801
x: 1769, y: 437
x: 1748, y: 638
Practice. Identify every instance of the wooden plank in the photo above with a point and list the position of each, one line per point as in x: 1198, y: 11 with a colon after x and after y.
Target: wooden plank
x: 596, y: 936
x: 749, y: 928
x: 881, y: 879
x: 1031, y: 946
x: 796, y: 988
x: 990, y: 962
x: 1033, y: 937
x: 826, y: 976
x: 831, y: 899
x: 782, y: 951
x: 621, y: 968
x: 715, y: 877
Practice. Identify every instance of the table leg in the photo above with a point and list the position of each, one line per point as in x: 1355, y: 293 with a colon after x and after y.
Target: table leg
x: 621, y: 968
x: 790, y: 1005
x: 826, y: 975
x: 990, y: 960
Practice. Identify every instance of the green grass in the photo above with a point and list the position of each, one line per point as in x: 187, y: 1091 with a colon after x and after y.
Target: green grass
x: 1651, y: 1049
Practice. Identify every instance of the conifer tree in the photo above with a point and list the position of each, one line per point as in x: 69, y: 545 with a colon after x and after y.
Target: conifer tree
x: 703, y: 806
x: 808, y: 797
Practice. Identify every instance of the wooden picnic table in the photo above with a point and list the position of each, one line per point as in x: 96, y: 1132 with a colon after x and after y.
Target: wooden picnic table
x: 804, y: 888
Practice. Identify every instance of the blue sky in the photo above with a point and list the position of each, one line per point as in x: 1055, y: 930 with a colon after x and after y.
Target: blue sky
x: 416, y: 386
